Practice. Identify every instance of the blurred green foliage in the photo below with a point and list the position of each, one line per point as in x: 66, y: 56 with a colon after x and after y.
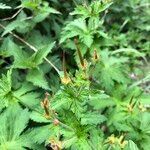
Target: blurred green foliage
x: 91, y: 61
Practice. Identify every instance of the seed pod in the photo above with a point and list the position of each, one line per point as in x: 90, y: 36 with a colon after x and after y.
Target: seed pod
x: 45, y: 105
x: 95, y: 56
x: 79, y: 53
x: 66, y: 79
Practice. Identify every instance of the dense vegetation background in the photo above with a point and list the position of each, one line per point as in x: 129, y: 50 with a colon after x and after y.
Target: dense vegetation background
x: 74, y: 74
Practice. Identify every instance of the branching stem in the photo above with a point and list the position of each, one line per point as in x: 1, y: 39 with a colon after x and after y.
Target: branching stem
x: 31, y: 47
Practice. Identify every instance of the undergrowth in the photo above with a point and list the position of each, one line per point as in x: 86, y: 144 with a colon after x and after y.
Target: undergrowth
x: 74, y: 75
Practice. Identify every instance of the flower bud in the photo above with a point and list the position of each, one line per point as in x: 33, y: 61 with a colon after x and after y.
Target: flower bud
x: 56, y: 122
x: 65, y: 79
x: 95, y: 56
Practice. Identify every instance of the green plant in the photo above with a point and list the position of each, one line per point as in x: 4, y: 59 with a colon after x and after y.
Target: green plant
x: 90, y: 59
x: 13, y: 122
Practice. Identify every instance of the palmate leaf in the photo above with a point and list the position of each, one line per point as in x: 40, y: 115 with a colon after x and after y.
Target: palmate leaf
x: 73, y: 29
x: 85, y: 29
x: 44, y: 133
x: 13, y: 122
x: 92, y: 10
x: 70, y: 139
x: 77, y: 27
x: 111, y: 70
x: 27, y: 96
x: 68, y: 98
x: 24, y: 95
x: 41, y: 134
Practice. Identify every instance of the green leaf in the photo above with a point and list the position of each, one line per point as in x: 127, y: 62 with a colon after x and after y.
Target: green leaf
x: 13, y: 122
x: 7, y: 48
x: 44, y: 13
x: 44, y: 133
x: 98, y: 6
x: 87, y: 39
x: 101, y: 101
x: 5, y: 89
x: 81, y: 10
x: 23, y: 95
x: 27, y: 96
x: 5, y: 83
x: 92, y: 118
x: 110, y: 70
x: 36, y: 76
x: 22, y: 59
x: 3, y: 6
x: 42, y: 53
x: 19, y: 24
x: 129, y: 51
x: 144, y: 118
x: 132, y: 145
x: 39, y: 117
x: 10, y: 27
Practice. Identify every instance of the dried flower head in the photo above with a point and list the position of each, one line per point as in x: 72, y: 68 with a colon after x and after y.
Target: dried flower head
x: 55, y: 144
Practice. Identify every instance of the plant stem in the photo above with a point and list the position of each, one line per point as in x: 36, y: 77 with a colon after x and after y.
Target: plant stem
x: 31, y: 47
